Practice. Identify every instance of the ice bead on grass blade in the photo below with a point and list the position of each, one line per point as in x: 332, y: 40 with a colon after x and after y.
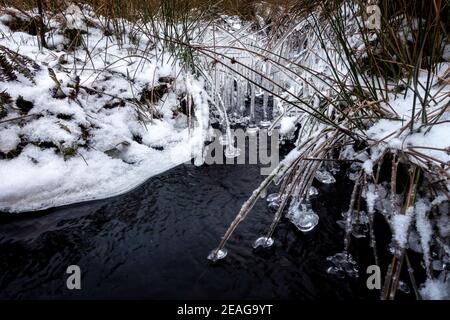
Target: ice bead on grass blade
x: 216, y: 255
x: 264, y: 242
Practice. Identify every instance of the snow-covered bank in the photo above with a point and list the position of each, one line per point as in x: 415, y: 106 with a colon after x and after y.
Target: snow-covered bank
x: 91, y: 120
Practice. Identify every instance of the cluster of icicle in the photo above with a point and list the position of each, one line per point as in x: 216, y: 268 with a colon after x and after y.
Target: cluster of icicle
x: 293, y: 65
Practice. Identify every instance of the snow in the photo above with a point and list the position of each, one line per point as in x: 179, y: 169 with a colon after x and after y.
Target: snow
x: 50, y: 129
x: 400, y: 224
x: 368, y: 167
x: 55, y: 182
x: 79, y: 150
x: 9, y: 139
x: 371, y: 196
x: 424, y: 228
x: 287, y: 125
x: 435, y: 289
x: 436, y: 136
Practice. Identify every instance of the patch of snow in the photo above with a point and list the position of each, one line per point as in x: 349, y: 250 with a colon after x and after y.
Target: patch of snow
x: 9, y: 139
x: 287, y: 125
x: 423, y: 227
x: 371, y: 196
x: 435, y: 289
x: 368, y: 167
x: 400, y: 224
x: 113, y: 147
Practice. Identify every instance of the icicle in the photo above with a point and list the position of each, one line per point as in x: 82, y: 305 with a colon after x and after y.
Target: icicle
x: 240, y: 101
x: 252, y: 129
x: 265, y: 123
x: 325, y: 177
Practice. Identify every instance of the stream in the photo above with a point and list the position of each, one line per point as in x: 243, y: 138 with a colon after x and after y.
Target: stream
x: 152, y: 243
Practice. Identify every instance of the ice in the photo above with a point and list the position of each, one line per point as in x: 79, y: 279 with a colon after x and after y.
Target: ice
x: 252, y: 128
x: 360, y: 230
x: 216, y: 254
x: 114, y: 148
x: 336, y: 271
x: 403, y: 287
x: 371, y: 196
x: 302, y: 216
x: 313, y: 192
x: 224, y: 140
x: 359, y: 224
x: 424, y: 227
x: 325, y: 177
x: 343, y: 265
x: 273, y: 201
x: 232, y: 152
x: 265, y: 123
x: 263, y: 242
x: 437, y: 265
x: 273, y: 197
x: 354, y: 171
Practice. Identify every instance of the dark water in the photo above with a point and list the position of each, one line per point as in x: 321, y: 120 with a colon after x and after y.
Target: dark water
x: 152, y: 243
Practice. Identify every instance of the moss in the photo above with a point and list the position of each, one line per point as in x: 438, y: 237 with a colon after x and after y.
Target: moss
x: 107, y: 32
x: 154, y: 94
x: 183, y: 108
x: 24, y: 105
x: 137, y: 138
